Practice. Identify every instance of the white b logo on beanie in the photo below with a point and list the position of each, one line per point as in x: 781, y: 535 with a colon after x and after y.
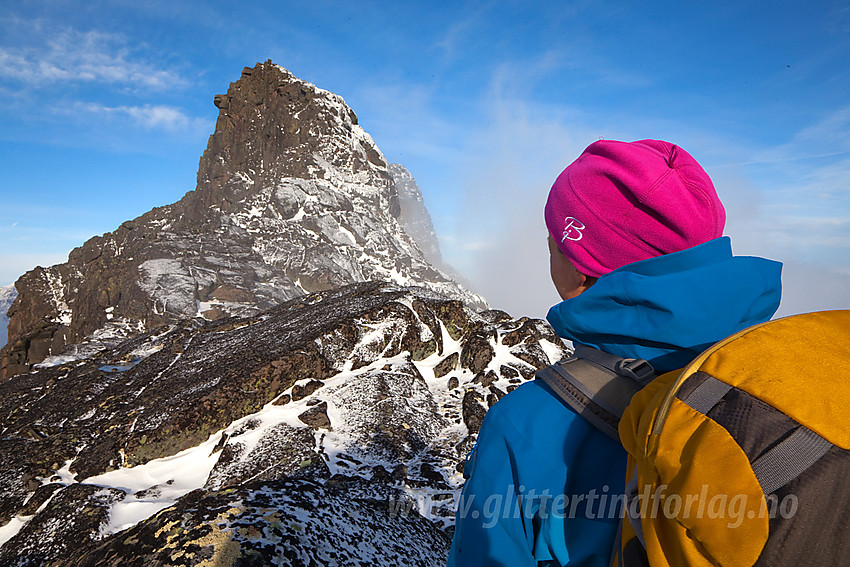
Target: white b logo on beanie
x: 572, y: 229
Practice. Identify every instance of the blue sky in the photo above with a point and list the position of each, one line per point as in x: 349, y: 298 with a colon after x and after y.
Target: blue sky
x: 107, y: 107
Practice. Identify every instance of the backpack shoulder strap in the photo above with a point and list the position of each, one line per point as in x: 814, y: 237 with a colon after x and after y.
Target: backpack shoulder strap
x: 597, y: 385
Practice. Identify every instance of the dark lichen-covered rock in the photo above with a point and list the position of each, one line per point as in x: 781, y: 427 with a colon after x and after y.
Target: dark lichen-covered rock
x: 282, y: 452
x: 301, y: 392
x: 295, y: 522
x: 326, y: 389
x: 453, y: 317
x: 446, y: 365
x: 473, y: 410
x: 317, y: 416
x: 72, y: 517
x: 478, y: 350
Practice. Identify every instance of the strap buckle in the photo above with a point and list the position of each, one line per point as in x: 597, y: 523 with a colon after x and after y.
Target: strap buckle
x: 635, y: 368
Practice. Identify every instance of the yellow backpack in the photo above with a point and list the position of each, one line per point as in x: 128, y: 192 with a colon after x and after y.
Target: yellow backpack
x: 743, y: 457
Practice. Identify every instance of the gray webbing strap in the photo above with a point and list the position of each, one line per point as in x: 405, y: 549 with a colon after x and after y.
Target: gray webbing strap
x: 789, y: 459
x: 634, y: 368
x: 606, y: 389
x: 561, y: 388
x: 706, y: 395
x: 783, y: 462
x: 631, y: 496
x: 597, y: 385
x: 617, y: 548
x: 596, y: 356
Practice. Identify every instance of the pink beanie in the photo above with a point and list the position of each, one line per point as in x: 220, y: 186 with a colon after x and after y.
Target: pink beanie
x: 622, y: 202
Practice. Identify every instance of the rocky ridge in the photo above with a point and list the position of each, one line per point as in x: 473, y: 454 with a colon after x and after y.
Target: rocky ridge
x: 7, y: 296
x: 329, y: 430
x: 293, y: 197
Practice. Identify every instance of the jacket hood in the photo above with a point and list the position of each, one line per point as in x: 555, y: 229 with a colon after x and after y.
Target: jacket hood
x: 668, y: 309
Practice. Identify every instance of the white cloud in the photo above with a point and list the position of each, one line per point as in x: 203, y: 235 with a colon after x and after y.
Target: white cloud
x: 789, y: 202
x: 499, y: 238
x: 460, y: 30
x: 831, y: 132
x: 68, y: 55
x: 589, y: 69
x: 13, y: 266
x: 801, y: 211
x: 812, y: 287
x: 825, y: 144
x: 151, y: 117
x: 403, y: 118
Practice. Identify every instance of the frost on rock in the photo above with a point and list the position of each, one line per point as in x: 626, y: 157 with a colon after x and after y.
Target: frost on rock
x: 328, y: 430
x: 169, y: 285
x: 56, y: 290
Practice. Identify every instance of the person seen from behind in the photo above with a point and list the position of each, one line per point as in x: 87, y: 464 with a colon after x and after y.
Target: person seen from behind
x: 638, y: 256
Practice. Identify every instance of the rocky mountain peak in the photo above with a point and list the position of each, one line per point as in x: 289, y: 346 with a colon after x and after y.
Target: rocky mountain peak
x: 272, y: 125
x: 293, y: 197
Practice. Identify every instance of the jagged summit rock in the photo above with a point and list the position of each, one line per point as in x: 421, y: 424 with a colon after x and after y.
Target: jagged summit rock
x: 293, y: 197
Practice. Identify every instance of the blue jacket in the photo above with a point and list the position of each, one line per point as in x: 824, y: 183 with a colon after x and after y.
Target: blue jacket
x: 544, y: 486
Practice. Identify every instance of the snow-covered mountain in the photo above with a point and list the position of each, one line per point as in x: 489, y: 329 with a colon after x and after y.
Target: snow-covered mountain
x: 7, y: 296
x: 293, y: 197
x: 329, y: 430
